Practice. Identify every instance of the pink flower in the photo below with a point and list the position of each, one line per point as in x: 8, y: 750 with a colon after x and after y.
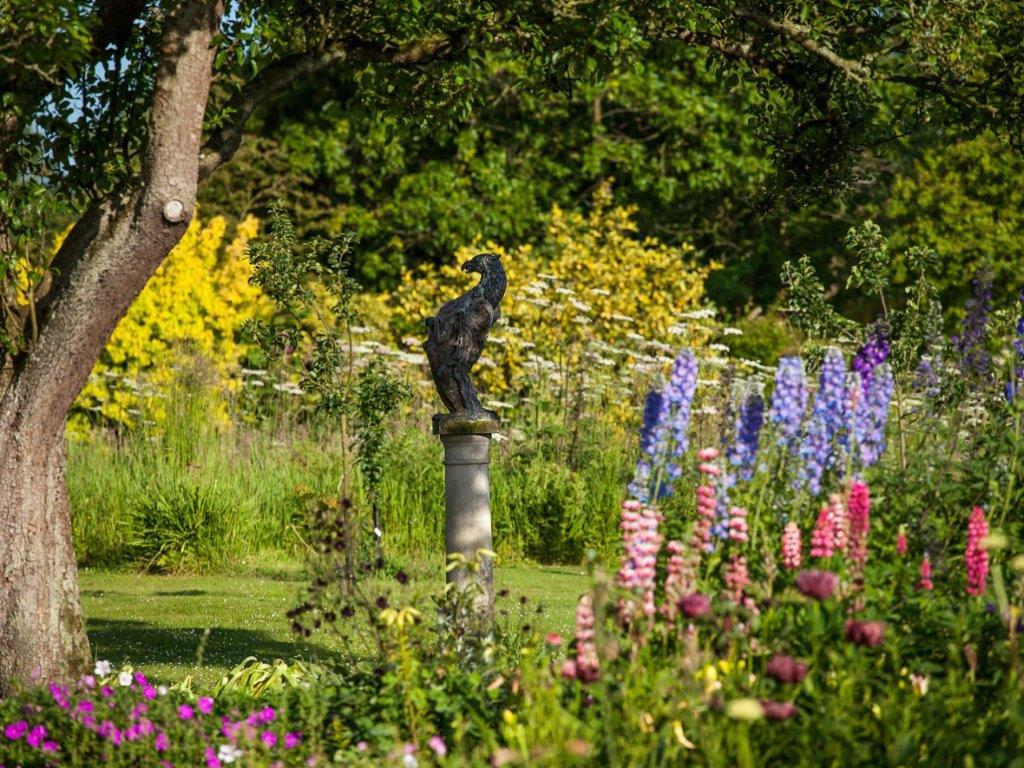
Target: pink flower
x: 820, y: 585
x: 211, y: 758
x: 712, y: 470
x: 267, y: 714
x: 149, y: 692
x: 792, y: 555
x: 292, y: 740
x: 553, y: 639
x: 925, y: 573
x: 437, y: 744
x: 569, y: 669
x: 736, y: 577
x: 269, y: 738
x: 901, y: 542
x: 205, y: 705
x: 161, y: 742
x: 869, y: 633
x: 786, y: 669
x: 694, y: 605
x: 36, y: 736
x: 778, y: 710
x: 50, y: 746
x: 860, y: 522
x: 840, y: 522
x: 14, y: 731
x: 85, y: 706
x: 60, y: 695
x: 975, y: 556
x: 587, y: 662
x: 185, y: 712
x: 641, y: 542
x: 823, y: 536
x: 677, y: 578
x: 707, y: 454
x: 738, y: 524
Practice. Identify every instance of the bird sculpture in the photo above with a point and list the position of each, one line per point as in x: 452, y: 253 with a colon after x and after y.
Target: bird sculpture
x: 456, y: 336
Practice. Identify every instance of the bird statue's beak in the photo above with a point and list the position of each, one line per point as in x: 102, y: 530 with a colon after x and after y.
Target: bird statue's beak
x: 468, y: 266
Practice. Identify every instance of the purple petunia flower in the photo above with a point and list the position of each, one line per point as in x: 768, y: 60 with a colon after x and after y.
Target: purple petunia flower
x: 789, y: 401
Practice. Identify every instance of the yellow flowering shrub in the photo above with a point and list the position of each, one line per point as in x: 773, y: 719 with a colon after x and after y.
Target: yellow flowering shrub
x: 593, y: 295
x: 193, y: 305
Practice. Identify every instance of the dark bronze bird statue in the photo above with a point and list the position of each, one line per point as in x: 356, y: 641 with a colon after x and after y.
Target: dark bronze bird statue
x: 456, y: 336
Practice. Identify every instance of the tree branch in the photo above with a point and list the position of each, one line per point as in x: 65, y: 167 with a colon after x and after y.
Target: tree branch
x: 224, y: 142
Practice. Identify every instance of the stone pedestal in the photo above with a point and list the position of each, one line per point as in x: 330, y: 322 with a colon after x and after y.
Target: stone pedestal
x: 467, y: 494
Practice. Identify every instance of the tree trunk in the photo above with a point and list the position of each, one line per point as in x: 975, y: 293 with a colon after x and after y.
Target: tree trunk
x: 41, y: 628
x: 102, y: 266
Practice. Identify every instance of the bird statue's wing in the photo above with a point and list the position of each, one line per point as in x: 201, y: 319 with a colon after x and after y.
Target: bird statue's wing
x: 467, y: 328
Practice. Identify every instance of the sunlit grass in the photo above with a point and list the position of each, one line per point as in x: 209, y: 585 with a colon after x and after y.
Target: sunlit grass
x: 174, y: 626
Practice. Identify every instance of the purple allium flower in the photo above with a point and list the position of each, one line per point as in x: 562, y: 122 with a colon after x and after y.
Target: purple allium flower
x: 786, y: 669
x: 970, y: 344
x: 869, y: 633
x: 872, y: 353
x: 743, y: 452
x: 872, y: 414
x: 664, y: 435
x: 789, y: 400
x: 826, y: 437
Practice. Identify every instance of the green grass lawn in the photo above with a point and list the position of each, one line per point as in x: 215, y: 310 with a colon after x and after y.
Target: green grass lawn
x: 173, y: 626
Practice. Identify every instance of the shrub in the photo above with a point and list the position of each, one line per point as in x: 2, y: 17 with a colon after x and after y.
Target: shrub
x: 593, y: 294
x: 193, y: 305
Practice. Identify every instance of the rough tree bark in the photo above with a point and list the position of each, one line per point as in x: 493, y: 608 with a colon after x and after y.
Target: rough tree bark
x: 103, y: 265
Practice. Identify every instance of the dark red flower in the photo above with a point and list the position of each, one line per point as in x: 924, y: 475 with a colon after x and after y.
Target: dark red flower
x: 869, y: 633
x: 786, y: 669
x: 778, y: 710
x: 694, y: 605
x: 820, y: 585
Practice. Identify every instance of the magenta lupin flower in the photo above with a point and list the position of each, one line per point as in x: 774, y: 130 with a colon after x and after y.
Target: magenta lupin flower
x: 901, y: 542
x: 860, y: 522
x: 924, y: 581
x: 641, y: 542
x: 840, y: 522
x: 976, y: 556
x: 823, y: 535
x: 736, y: 577
x: 677, y: 582
x: 587, y: 665
x: 738, y: 525
x: 792, y: 548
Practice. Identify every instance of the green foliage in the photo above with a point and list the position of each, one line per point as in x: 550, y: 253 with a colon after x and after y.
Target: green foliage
x: 964, y: 201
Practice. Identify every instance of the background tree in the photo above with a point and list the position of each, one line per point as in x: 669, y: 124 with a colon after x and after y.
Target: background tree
x: 115, y: 111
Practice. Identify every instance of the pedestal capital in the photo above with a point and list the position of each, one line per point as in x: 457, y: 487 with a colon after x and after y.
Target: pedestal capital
x: 461, y: 424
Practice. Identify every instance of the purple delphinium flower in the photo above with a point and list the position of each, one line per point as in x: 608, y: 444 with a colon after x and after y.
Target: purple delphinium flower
x: 826, y: 436
x: 664, y: 436
x: 1017, y: 378
x: 926, y: 379
x: 789, y: 401
x: 970, y: 344
x: 872, y: 353
x: 743, y: 452
x: 872, y: 414
x: 720, y: 528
